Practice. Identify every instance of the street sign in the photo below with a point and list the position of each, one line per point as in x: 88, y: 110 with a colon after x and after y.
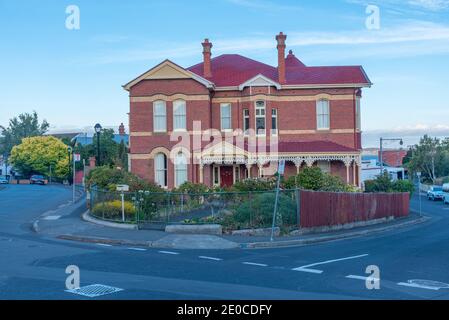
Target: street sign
x: 122, y: 187
x: 76, y: 157
x: 281, y: 167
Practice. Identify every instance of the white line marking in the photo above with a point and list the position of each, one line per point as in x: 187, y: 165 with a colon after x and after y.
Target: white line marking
x: 413, y: 285
x: 137, y: 249
x: 255, y: 264
x: 307, y: 269
x: 103, y: 244
x: 210, y: 258
x: 51, y: 217
x: 351, y: 276
x: 168, y: 252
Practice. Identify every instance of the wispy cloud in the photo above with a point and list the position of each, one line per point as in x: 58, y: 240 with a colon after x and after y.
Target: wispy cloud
x: 413, y: 38
x: 433, y: 5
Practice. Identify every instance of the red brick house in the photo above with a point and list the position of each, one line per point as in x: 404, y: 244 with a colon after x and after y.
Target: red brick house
x: 231, y: 118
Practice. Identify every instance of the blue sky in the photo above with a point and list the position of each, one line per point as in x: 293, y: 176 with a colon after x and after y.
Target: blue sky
x: 73, y: 78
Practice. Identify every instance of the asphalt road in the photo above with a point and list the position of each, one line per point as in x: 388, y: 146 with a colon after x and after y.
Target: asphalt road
x: 33, y: 267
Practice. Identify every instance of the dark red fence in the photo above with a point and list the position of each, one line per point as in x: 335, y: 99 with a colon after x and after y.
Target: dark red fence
x: 329, y: 208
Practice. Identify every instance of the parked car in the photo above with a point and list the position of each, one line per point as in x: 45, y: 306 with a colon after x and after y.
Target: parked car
x: 446, y: 193
x: 435, y: 193
x: 4, y: 180
x: 37, y: 179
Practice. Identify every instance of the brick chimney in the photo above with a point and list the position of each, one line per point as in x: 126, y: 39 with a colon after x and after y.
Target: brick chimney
x: 121, y: 129
x: 92, y: 162
x: 280, y: 38
x: 207, y: 70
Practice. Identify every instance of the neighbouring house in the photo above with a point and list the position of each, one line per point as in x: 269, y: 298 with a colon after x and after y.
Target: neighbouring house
x: 231, y: 118
x: 392, y: 160
x: 86, y: 138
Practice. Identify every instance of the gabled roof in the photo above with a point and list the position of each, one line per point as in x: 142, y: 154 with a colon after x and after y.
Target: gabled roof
x: 168, y: 70
x: 232, y: 70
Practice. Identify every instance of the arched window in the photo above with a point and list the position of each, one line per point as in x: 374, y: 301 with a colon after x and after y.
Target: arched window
x: 179, y: 115
x: 180, y: 169
x: 159, y: 116
x: 322, y: 115
x: 160, y: 170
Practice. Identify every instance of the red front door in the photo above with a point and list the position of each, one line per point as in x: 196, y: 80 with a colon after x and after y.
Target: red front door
x: 226, y: 176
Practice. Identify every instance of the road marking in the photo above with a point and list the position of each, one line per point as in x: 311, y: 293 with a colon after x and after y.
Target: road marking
x: 168, y: 252
x: 414, y: 285
x: 51, y: 217
x: 210, y: 258
x: 255, y: 264
x: 104, y: 244
x: 307, y: 269
x: 137, y: 249
x: 351, y: 276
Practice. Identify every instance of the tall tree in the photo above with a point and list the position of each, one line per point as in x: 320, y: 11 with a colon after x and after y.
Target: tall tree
x: 430, y: 157
x: 24, y: 126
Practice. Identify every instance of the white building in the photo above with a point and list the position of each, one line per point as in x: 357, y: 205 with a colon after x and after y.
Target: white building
x: 371, y: 169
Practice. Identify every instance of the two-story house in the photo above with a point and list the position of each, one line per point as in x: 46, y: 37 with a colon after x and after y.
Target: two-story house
x: 237, y: 117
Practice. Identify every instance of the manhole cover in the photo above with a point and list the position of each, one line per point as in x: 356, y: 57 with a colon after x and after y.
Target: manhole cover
x: 94, y: 290
x: 429, y: 284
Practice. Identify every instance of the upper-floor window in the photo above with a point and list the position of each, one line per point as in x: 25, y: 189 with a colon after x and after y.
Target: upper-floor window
x: 274, y: 121
x: 322, y: 115
x: 160, y: 170
x: 179, y: 115
x: 225, y: 116
x: 180, y: 169
x: 245, y: 120
x: 358, y: 118
x: 159, y: 116
x: 260, y: 117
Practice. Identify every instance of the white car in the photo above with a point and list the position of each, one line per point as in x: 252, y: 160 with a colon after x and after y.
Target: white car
x: 435, y: 193
x: 3, y: 180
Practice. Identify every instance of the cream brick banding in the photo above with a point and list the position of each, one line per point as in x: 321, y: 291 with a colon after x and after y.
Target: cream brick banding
x: 178, y: 96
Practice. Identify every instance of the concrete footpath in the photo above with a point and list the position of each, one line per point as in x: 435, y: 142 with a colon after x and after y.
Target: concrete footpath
x: 66, y: 223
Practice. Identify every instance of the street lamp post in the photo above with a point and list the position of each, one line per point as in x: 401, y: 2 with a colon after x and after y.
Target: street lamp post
x: 98, y: 132
x: 381, y: 150
x: 69, y: 151
x: 418, y: 174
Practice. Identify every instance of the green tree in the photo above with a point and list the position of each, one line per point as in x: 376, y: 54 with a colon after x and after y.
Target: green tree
x: 37, y: 154
x: 24, y: 126
x: 430, y: 157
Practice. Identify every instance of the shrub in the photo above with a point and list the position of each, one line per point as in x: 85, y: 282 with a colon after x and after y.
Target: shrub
x: 383, y: 183
x: 108, y: 178
x: 260, y: 184
x: 312, y: 178
x: 113, y: 209
x: 192, y: 188
x: 258, y: 211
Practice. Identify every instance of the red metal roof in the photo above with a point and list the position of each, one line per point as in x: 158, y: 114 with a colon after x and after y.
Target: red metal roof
x: 234, y: 69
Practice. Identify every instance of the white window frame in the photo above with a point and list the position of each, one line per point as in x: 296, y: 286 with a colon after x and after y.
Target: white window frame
x: 274, y: 132
x: 164, y: 170
x: 324, y: 165
x: 177, y: 169
x: 358, y: 119
x: 320, y: 114
x: 181, y: 115
x: 236, y: 173
x: 246, y: 117
x: 227, y: 105
x: 216, y: 175
x: 161, y: 115
x: 257, y: 108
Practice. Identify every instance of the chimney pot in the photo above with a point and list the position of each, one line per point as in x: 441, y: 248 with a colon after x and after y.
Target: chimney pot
x: 280, y: 38
x: 121, y: 129
x: 207, y: 53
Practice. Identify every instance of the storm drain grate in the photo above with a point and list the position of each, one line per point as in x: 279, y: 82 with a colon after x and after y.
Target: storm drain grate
x: 94, y: 290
